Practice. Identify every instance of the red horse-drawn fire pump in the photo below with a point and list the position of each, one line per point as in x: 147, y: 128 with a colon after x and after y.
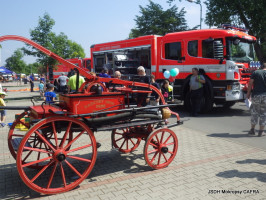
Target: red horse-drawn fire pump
x: 59, y: 149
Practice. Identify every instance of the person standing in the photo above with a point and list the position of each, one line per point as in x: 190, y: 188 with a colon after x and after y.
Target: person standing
x: 72, y: 82
x: 2, y: 111
x: 142, y: 98
x: 31, y: 79
x: 258, y: 99
x: 196, y: 91
x: 41, y: 88
x: 62, y: 82
x: 154, y: 98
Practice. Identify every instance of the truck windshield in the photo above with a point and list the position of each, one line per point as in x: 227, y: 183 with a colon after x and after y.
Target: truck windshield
x: 240, y: 51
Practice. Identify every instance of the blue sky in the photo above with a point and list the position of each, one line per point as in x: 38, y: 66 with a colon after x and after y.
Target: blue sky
x: 86, y: 22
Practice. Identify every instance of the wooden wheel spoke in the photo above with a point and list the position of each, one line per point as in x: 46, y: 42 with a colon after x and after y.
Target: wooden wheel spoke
x: 66, y: 134
x: 63, y: 174
x: 170, y: 152
x: 172, y: 143
x: 51, y: 177
x: 44, y: 140
x: 167, y: 139
x: 35, y: 149
x: 119, y: 139
x: 122, y: 144
x: 159, y: 159
x: 79, y: 148
x: 27, y: 154
x: 37, y: 161
x: 40, y: 172
x: 152, y: 151
x: 73, y: 168
x: 161, y: 141
x: 79, y: 158
x: 154, y: 157
x: 165, y: 157
x: 157, y: 138
x: 118, y: 133
x: 55, y: 135
x: 132, y: 142
x: 154, y: 145
x: 72, y: 141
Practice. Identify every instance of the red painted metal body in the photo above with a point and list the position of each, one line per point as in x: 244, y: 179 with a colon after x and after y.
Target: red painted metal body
x: 89, y: 103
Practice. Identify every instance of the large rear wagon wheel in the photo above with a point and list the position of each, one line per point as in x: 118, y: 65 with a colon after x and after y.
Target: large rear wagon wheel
x: 65, y: 164
x: 160, y: 148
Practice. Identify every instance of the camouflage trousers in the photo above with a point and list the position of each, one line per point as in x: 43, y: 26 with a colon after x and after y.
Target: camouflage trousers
x: 258, y: 110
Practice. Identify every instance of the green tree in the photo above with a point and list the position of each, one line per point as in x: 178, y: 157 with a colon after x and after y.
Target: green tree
x: 59, y: 44
x: 154, y: 20
x: 250, y: 13
x: 15, y: 62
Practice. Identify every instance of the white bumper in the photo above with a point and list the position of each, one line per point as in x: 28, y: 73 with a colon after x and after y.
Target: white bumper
x: 234, y: 95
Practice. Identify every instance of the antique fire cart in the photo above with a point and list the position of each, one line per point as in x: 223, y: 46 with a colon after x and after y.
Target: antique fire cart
x: 59, y: 150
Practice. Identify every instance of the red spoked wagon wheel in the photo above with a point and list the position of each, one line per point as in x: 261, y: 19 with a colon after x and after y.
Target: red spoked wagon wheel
x: 160, y: 148
x: 15, y: 135
x: 65, y: 164
x: 125, y: 139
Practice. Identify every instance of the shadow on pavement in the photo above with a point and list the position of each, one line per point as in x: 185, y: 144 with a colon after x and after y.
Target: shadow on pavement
x: 235, y: 173
x: 228, y: 135
x: 110, y: 162
x: 248, y: 161
x: 215, y: 112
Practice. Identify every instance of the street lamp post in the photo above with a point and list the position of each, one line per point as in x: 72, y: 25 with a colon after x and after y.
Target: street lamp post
x: 197, y: 2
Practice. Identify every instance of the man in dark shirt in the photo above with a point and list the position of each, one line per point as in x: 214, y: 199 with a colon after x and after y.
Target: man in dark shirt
x: 142, y: 98
x: 258, y: 99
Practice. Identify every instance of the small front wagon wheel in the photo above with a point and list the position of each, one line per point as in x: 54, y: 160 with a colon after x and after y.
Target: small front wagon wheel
x: 66, y: 161
x: 160, y: 148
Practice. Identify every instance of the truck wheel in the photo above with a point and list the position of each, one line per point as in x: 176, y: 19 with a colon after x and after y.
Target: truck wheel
x: 207, y: 100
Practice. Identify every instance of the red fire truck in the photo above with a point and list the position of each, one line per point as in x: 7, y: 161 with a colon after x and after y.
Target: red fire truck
x: 53, y: 73
x: 222, y: 55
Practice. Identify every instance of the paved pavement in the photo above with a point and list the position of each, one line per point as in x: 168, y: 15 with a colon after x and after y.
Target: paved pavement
x: 204, y: 168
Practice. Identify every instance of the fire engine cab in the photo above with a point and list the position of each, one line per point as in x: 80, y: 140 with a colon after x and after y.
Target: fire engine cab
x: 222, y: 55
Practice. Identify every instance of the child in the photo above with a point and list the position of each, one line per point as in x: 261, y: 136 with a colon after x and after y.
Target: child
x: 41, y: 88
x: 49, y: 95
x: 155, y: 98
x: 2, y: 111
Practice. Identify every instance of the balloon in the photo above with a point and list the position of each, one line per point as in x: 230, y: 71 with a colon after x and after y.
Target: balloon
x: 177, y: 71
x: 174, y: 72
x: 166, y: 74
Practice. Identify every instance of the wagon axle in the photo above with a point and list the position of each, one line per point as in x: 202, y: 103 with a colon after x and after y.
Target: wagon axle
x: 164, y: 149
